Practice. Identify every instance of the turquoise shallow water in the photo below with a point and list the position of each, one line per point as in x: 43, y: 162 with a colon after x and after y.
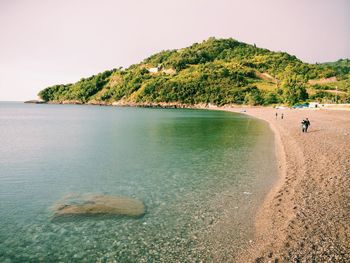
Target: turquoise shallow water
x: 193, y: 169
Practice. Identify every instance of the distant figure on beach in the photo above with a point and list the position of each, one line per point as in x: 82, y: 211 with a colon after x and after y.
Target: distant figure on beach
x: 276, y: 115
x: 282, y: 116
x: 305, y: 125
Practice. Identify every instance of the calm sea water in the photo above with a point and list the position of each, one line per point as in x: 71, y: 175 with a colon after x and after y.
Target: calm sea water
x: 201, y: 174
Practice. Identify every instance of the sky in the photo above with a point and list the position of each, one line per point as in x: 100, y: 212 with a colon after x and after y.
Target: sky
x: 48, y: 42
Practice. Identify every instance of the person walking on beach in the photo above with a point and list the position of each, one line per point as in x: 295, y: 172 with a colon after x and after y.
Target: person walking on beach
x: 305, y: 125
x: 282, y: 116
x: 276, y: 115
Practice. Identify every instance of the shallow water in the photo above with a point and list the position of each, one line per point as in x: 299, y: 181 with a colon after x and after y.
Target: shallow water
x: 193, y: 169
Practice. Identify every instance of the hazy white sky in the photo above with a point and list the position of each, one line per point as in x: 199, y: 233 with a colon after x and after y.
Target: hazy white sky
x: 47, y: 42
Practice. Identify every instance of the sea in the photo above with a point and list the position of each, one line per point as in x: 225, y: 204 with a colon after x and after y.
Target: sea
x: 202, y: 176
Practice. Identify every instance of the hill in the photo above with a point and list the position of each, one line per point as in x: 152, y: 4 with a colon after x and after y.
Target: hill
x: 216, y: 71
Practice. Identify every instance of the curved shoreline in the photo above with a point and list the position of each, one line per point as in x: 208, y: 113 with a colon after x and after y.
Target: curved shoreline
x: 304, y: 216
x: 263, y: 221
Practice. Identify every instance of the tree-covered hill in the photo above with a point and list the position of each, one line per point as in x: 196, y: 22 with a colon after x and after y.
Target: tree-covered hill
x: 216, y: 71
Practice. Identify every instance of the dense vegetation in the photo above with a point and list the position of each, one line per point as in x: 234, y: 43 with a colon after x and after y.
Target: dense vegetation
x: 216, y: 71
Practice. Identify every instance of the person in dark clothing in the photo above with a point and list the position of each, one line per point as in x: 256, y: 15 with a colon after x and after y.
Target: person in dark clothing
x: 282, y: 116
x: 305, y: 125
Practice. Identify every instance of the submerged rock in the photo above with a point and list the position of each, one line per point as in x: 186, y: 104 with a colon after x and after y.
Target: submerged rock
x: 80, y: 205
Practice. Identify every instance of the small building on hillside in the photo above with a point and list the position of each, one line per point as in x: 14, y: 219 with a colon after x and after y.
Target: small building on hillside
x: 153, y: 70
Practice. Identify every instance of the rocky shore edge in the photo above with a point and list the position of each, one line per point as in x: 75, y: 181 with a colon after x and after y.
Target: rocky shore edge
x: 165, y: 105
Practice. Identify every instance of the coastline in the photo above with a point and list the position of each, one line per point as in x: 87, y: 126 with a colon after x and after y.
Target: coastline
x: 303, y: 217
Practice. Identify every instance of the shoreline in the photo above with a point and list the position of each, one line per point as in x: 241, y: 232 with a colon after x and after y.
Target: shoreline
x: 263, y: 220
x: 303, y: 217
x: 174, y: 105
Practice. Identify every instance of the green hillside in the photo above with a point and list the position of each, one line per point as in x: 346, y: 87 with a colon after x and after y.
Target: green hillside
x: 216, y: 71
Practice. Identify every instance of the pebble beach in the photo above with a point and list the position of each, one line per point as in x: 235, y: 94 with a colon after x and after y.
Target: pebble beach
x: 305, y: 217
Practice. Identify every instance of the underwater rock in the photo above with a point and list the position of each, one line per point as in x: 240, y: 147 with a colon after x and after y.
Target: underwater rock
x: 80, y: 205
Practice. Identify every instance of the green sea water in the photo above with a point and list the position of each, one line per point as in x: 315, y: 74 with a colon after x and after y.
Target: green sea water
x: 201, y: 175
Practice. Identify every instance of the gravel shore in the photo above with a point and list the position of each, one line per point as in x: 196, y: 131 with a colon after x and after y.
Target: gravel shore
x: 306, y: 216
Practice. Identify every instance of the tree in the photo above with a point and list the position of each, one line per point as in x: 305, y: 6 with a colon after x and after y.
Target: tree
x: 271, y: 98
x: 293, y: 91
x: 253, y: 96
